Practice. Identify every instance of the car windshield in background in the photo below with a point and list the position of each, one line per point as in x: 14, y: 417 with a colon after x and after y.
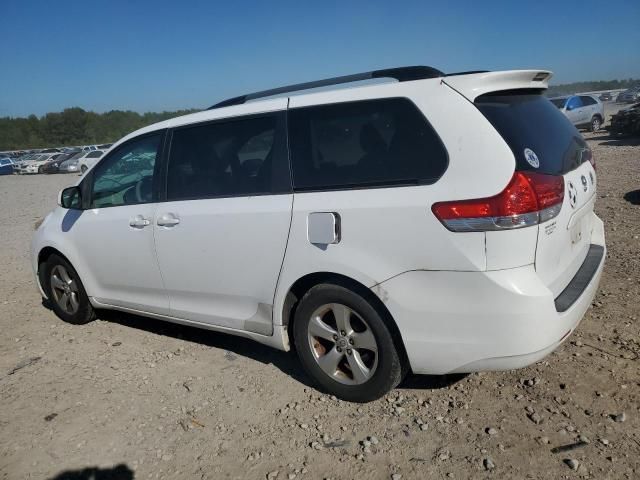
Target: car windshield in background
x: 529, y: 121
x: 559, y: 102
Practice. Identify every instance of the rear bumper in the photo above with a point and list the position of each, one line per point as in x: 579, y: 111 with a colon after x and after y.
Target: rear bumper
x: 454, y: 322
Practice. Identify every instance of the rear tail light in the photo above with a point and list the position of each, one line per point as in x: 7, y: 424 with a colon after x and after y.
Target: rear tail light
x: 587, y: 154
x: 529, y: 199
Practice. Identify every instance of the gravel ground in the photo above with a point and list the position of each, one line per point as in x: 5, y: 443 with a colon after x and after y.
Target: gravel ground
x: 138, y: 398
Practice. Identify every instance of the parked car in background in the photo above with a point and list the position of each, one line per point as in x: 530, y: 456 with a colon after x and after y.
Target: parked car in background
x: 71, y: 165
x: 584, y: 111
x: 631, y: 95
x: 626, y: 121
x: 6, y: 166
x: 606, y: 97
x: 53, y: 164
x: 363, y: 233
x: 50, y: 150
x: 104, y: 146
x: 89, y: 159
x: 35, y: 164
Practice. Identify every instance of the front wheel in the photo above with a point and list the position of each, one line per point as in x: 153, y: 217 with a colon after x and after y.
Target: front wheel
x: 596, y: 123
x: 345, y: 345
x: 83, y: 169
x: 65, y: 291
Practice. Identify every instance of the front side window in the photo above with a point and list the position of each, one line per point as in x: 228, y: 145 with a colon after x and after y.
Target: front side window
x: 125, y: 177
x: 573, y: 103
x: 238, y: 157
x: 380, y: 142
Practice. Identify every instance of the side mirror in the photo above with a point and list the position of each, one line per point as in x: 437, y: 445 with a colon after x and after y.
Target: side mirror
x: 70, y: 198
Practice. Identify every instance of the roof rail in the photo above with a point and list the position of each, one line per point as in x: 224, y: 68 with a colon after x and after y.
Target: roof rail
x: 402, y: 74
x: 468, y: 72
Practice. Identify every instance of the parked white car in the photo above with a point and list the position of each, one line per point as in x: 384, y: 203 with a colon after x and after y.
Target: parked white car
x: 438, y: 224
x: 89, y: 159
x: 35, y: 164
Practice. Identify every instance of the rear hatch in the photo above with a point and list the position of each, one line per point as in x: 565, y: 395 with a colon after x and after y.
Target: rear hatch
x: 545, y: 142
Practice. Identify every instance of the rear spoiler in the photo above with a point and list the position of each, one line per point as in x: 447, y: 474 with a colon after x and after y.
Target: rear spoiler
x: 473, y: 85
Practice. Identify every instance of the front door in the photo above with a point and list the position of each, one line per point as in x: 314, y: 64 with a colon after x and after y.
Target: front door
x: 222, y: 233
x: 115, y: 234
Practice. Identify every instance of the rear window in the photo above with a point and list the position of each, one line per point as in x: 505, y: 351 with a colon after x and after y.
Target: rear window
x: 530, y: 122
x: 361, y: 144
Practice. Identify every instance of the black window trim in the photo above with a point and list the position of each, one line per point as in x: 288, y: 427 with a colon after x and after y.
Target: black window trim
x: 281, y: 141
x: 370, y: 185
x: 86, y: 186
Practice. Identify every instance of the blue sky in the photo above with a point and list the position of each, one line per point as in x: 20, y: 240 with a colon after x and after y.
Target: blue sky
x: 165, y: 55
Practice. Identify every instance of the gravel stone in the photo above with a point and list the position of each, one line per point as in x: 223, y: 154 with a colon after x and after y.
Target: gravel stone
x: 571, y: 463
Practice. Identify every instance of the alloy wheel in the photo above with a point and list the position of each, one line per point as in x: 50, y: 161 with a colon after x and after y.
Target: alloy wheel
x: 342, y: 344
x: 64, y: 290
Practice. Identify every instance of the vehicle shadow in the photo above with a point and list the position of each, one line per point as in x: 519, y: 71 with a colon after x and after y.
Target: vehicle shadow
x: 286, y: 362
x: 611, y: 141
x: 633, y: 197
x: 119, y: 472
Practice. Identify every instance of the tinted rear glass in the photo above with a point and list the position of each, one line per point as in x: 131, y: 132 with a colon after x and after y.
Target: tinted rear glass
x: 238, y: 157
x: 364, y: 144
x: 530, y: 121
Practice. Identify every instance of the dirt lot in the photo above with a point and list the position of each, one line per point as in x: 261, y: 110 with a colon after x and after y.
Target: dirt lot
x: 144, y: 399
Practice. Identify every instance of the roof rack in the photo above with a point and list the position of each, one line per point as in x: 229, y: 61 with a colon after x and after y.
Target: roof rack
x: 401, y: 74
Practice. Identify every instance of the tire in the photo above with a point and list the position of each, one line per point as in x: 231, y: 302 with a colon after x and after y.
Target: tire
x: 318, y: 335
x: 596, y: 123
x: 40, y: 170
x: 83, y: 169
x: 76, y: 309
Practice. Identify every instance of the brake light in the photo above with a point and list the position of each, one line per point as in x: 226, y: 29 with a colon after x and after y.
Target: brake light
x: 587, y: 154
x: 529, y: 199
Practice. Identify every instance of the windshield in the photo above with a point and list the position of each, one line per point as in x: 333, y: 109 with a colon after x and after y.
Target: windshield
x: 529, y: 122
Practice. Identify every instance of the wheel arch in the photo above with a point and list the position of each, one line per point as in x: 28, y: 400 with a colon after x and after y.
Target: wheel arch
x: 43, y: 256
x: 305, y: 283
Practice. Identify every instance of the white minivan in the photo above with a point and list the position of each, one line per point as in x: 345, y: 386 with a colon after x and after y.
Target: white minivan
x: 435, y: 224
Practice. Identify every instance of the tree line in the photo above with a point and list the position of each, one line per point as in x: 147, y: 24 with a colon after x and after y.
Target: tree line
x: 593, y: 86
x: 74, y: 126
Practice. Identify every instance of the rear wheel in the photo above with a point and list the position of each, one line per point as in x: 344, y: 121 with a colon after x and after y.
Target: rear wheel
x: 596, y: 123
x: 65, y: 291
x: 345, y: 345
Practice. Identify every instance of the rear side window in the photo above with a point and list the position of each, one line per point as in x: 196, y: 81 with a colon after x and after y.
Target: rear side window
x: 586, y: 100
x: 366, y: 143
x: 238, y: 157
x: 528, y: 121
x: 94, y: 155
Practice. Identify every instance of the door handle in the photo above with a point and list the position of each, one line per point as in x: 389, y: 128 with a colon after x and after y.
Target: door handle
x: 168, y: 220
x: 139, y: 221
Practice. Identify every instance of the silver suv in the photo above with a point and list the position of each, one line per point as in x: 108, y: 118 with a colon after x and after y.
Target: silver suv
x: 582, y: 110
